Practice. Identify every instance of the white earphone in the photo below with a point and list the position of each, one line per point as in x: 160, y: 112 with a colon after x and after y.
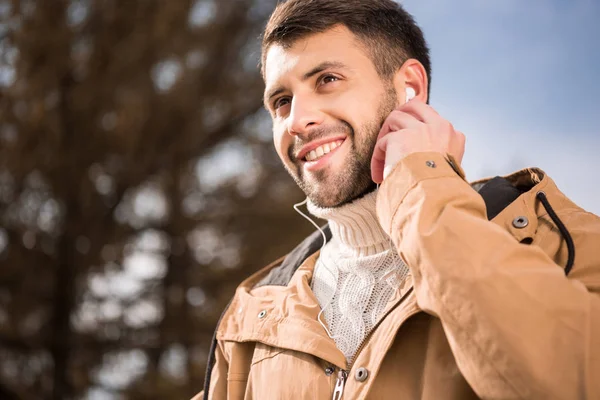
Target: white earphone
x: 410, y: 94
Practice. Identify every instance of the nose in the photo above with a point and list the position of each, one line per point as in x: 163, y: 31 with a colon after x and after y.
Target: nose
x: 304, y: 115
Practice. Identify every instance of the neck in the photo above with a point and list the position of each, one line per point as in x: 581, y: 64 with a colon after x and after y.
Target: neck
x: 355, y: 226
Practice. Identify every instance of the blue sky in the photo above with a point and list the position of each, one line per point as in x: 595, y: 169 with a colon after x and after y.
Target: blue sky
x: 520, y: 79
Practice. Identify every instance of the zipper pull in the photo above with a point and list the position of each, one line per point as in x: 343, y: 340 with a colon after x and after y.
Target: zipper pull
x: 339, y: 385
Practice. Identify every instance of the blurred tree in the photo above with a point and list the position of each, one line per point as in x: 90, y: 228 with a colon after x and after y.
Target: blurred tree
x: 138, y: 187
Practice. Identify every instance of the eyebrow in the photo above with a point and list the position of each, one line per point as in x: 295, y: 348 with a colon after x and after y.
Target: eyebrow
x: 319, y: 68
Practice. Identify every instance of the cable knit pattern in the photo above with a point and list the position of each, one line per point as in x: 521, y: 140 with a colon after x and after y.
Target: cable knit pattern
x: 357, y: 272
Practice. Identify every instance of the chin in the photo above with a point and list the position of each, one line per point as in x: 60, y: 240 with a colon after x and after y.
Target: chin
x: 349, y: 199
x: 340, y: 198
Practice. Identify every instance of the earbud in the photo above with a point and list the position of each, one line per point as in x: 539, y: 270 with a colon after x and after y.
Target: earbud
x: 410, y: 94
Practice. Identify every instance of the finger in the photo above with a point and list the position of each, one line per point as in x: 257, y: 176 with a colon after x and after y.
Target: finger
x: 378, y: 160
x: 420, y: 111
x: 398, y: 120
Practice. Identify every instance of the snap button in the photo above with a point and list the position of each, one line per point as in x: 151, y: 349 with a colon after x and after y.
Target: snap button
x: 329, y: 371
x: 262, y: 314
x: 361, y: 374
x: 520, y: 222
x: 431, y: 164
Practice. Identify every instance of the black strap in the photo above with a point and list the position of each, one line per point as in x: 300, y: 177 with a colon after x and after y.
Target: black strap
x: 563, y: 231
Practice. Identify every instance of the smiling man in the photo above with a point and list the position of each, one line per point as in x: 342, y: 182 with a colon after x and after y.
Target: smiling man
x: 422, y: 286
x: 327, y: 125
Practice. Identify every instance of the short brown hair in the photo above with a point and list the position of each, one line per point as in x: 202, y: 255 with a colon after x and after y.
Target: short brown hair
x: 388, y: 32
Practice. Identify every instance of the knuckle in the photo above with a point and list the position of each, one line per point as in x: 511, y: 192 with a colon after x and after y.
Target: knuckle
x: 395, y: 114
x: 444, y: 125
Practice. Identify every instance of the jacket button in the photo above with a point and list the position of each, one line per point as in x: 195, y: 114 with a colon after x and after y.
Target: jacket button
x: 329, y: 371
x: 520, y: 222
x: 262, y: 314
x: 431, y: 164
x: 361, y: 374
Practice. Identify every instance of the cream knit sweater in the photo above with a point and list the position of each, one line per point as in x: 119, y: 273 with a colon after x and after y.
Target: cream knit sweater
x: 356, y: 273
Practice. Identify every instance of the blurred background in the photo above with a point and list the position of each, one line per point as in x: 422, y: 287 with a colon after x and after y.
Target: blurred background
x: 139, y: 186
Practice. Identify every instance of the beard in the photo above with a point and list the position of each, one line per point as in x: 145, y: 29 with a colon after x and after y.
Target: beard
x: 327, y: 188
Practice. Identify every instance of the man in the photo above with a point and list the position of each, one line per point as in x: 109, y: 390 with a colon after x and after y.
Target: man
x: 427, y: 287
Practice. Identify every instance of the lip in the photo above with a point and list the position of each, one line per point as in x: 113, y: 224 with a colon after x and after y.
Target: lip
x: 313, y: 145
x: 321, y: 162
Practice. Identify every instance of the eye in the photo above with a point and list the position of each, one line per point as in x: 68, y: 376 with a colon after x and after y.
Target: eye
x: 328, y: 78
x: 280, y: 102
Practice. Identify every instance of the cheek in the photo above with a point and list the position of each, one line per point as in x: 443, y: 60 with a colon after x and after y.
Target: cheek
x: 281, y: 142
x: 355, y: 103
x: 353, y: 116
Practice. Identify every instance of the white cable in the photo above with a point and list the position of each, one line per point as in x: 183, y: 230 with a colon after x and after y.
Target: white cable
x: 324, y: 243
x: 310, y: 220
x: 385, y: 275
x: 410, y: 94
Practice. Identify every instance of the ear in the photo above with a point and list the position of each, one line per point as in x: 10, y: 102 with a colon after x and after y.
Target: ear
x: 411, y: 74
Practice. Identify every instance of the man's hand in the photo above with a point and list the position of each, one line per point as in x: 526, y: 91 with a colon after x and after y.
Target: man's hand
x: 411, y: 128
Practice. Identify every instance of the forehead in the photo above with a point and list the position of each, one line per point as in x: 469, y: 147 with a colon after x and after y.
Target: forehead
x: 337, y: 44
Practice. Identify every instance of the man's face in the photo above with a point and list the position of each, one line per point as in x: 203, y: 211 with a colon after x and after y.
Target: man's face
x: 328, y: 103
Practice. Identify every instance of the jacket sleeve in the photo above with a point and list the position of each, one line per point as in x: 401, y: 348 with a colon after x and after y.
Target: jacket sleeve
x: 516, y: 325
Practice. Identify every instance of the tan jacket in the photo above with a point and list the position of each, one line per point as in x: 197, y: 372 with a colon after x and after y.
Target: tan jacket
x: 486, y: 313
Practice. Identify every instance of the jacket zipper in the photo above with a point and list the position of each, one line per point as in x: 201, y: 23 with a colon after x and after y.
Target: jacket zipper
x: 339, y: 385
x: 343, y: 373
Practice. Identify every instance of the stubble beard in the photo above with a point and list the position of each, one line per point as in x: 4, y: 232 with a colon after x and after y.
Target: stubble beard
x: 334, y: 189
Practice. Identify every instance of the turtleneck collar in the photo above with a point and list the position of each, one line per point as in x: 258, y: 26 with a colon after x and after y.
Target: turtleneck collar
x: 355, y: 226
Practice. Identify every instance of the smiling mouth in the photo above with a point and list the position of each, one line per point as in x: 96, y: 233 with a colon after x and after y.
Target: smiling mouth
x: 322, y: 151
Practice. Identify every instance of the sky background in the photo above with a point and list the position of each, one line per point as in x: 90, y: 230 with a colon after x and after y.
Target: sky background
x: 520, y: 79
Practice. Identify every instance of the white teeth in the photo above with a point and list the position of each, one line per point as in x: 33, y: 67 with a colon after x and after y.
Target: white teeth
x: 322, y: 150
